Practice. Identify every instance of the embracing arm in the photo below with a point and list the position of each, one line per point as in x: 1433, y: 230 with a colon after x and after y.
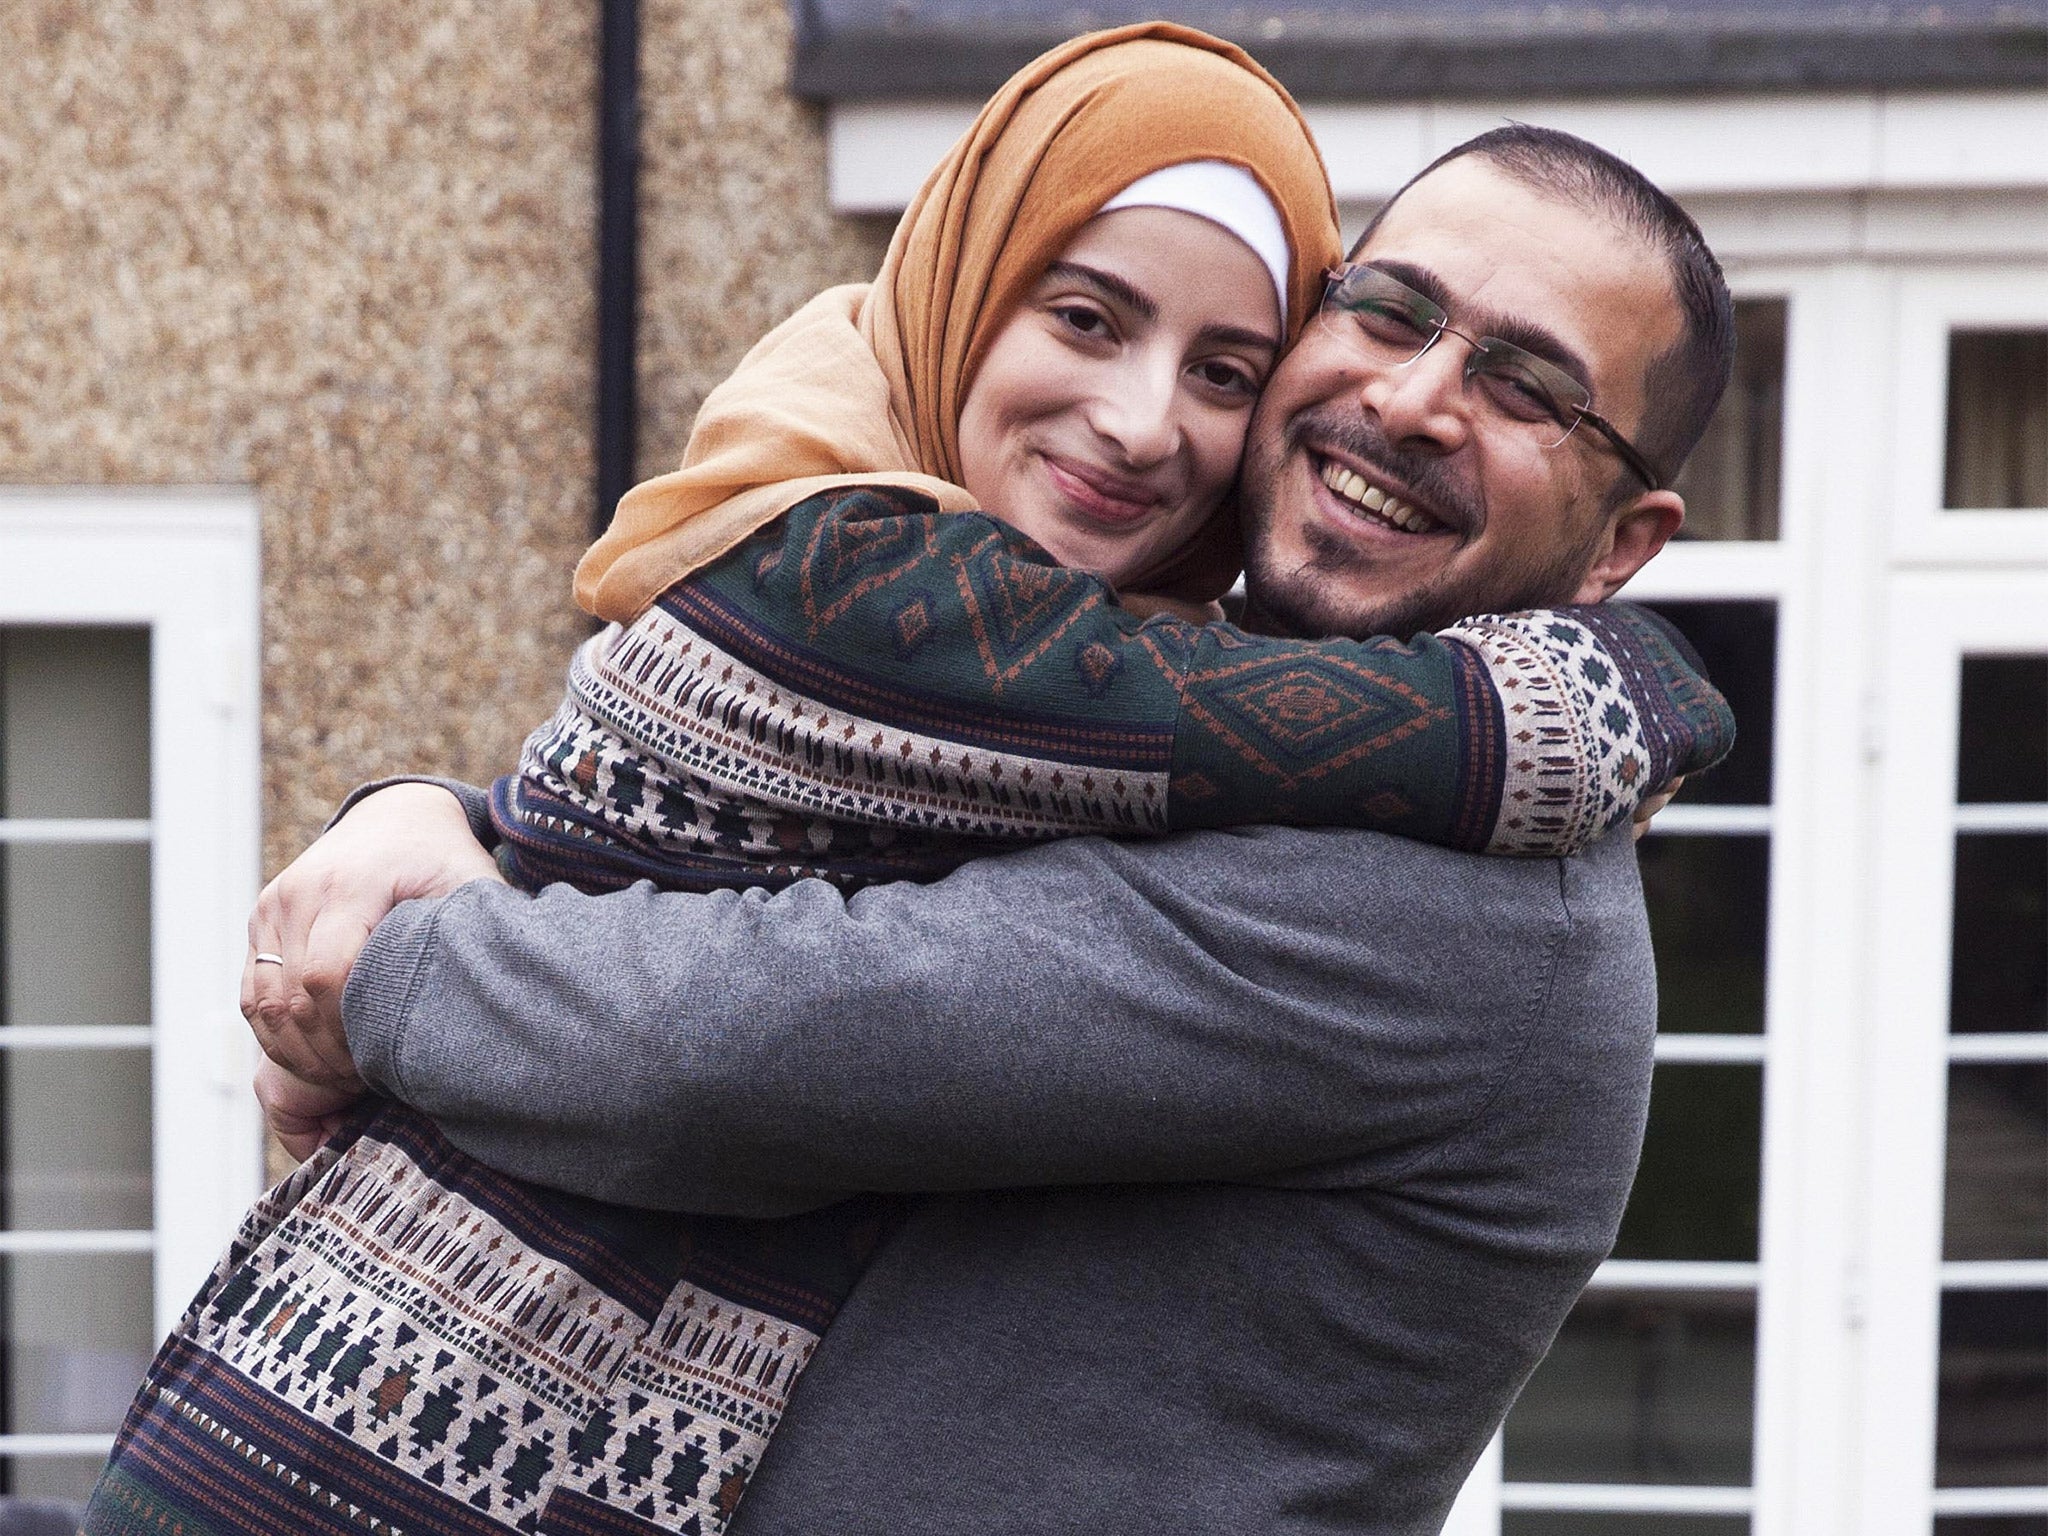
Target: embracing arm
x: 1271, y: 1003
x: 864, y: 663
x: 1524, y: 733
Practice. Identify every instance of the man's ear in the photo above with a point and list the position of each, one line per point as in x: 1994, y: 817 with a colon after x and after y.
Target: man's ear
x: 1634, y: 535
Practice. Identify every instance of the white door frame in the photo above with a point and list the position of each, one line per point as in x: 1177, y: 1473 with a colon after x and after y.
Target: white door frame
x: 185, y: 565
x: 1939, y: 618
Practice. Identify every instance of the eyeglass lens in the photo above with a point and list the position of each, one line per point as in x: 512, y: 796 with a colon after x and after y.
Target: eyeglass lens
x: 1405, y: 324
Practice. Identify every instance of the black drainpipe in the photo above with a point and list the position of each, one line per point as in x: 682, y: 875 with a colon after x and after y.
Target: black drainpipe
x: 618, y: 253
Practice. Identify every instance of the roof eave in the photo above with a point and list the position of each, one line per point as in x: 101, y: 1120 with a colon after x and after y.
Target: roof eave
x: 899, y: 63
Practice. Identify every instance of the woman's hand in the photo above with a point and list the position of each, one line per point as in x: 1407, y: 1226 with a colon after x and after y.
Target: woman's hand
x: 310, y: 923
x: 1651, y: 807
x: 301, y: 1115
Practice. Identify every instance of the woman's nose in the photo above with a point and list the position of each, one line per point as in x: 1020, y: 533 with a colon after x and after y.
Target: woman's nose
x: 1138, y: 412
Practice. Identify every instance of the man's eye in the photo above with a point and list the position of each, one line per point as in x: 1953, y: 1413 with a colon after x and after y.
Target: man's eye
x: 1521, y: 395
x: 1390, y: 322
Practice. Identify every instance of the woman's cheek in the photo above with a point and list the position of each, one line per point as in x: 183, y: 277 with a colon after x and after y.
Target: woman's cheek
x: 1220, y: 453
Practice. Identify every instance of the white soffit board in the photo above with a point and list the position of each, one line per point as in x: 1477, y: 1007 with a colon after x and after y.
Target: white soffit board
x: 879, y: 152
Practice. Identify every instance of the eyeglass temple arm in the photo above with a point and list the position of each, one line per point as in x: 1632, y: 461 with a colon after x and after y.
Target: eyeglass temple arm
x: 1630, y: 454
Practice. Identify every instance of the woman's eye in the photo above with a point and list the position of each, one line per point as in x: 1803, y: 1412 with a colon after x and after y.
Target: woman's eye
x: 1227, y: 377
x: 1082, y: 319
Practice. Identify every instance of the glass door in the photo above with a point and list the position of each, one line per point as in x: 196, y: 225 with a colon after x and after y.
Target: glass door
x: 128, y: 1140
x: 1958, y: 1383
x: 75, y: 1114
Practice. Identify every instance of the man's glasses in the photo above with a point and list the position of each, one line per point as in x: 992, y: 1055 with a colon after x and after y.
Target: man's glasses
x: 1383, y: 315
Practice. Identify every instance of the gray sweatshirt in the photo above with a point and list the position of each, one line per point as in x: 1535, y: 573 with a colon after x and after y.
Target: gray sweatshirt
x: 1250, y: 1173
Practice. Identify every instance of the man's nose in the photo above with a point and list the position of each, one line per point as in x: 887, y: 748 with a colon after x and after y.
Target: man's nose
x: 1423, y: 402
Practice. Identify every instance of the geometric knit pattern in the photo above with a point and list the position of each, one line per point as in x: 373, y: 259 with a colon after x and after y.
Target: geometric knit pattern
x: 1682, y: 718
x: 1602, y: 702
x: 401, y: 1340
x: 1576, y: 757
x: 871, y: 690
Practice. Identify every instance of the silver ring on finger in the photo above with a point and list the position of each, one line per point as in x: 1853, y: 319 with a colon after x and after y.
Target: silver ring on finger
x: 264, y: 957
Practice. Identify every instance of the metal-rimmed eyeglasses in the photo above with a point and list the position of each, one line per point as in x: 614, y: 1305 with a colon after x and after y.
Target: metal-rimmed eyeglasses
x: 1377, y: 311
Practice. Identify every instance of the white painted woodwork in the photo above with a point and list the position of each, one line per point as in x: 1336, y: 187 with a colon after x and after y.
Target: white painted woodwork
x: 183, y: 564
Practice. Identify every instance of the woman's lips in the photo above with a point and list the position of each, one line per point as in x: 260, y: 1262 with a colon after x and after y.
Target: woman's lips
x: 1103, y: 497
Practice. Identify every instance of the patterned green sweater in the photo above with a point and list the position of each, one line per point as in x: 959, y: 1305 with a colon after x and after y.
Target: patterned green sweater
x: 874, y: 690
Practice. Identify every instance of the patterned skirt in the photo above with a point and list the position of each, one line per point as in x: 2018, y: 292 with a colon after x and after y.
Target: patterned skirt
x: 401, y: 1340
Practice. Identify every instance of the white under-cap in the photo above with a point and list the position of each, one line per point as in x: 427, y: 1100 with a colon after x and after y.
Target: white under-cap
x: 1223, y: 194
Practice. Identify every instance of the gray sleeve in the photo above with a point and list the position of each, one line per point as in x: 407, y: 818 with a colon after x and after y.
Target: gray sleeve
x: 1293, y: 1006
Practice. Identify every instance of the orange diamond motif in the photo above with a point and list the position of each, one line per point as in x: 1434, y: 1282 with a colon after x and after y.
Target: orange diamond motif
x: 1297, y: 712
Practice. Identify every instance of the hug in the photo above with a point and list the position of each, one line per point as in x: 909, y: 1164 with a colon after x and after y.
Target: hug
x: 946, y: 1030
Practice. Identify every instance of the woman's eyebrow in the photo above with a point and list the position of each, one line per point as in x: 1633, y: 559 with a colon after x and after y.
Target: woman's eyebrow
x: 1239, y: 336
x: 1109, y: 285
x: 1117, y: 289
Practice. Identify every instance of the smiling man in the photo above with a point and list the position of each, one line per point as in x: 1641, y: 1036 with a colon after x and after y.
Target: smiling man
x: 1241, y: 1179
x: 1432, y: 448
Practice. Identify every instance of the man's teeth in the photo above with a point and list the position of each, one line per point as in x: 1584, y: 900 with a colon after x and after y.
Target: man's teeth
x: 1352, y: 486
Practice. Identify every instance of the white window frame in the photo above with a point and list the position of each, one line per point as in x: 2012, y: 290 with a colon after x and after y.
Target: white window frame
x: 1930, y: 306
x: 184, y: 565
x: 1855, y: 1050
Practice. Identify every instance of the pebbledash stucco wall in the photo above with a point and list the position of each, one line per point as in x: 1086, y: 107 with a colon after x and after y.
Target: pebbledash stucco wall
x: 344, y: 253
x: 734, y: 231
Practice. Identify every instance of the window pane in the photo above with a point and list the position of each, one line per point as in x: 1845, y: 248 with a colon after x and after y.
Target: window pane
x: 1551, y: 1523
x: 1739, y: 643
x: 1992, y: 1426
x: 1997, y: 419
x: 74, y: 933
x: 2002, y: 746
x: 1641, y: 1388
x: 74, y: 1139
x: 1695, y: 1195
x: 74, y: 722
x: 76, y: 1334
x: 1997, y: 1202
x: 1999, y: 976
x: 58, y: 1479
x: 1709, y: 905
x: 1730, y: 484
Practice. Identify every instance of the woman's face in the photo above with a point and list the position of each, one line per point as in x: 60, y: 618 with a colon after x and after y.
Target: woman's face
x: 1107, y: 418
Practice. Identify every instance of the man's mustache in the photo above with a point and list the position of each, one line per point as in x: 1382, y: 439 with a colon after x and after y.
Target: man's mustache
x: 1426, y: 477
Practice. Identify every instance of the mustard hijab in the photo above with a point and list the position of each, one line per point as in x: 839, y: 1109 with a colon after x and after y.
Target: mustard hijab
x: 864, y: 384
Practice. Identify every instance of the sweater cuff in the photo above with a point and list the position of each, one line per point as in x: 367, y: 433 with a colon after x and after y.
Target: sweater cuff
x: 476, y: 803
x: 376, y: 1003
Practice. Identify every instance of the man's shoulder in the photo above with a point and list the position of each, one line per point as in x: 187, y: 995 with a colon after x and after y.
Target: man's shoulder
x: 1384, y: 902
x: 1463, y: 959
x: 1339, y: 878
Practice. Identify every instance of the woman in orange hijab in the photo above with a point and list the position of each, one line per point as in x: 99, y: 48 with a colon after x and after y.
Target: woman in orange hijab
x: 823, y: 662
x: 868, y: 383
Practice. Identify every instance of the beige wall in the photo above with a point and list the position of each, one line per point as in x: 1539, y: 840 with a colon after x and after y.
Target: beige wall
x: 344, y: 253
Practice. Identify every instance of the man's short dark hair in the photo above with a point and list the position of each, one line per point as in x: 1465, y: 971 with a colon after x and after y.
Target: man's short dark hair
x: 1684, y: 384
